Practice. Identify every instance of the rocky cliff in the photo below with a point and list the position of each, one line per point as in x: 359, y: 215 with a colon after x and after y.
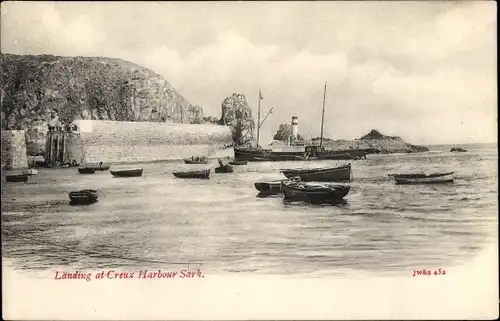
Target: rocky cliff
x: 375, y: 139
x: 44, y: 89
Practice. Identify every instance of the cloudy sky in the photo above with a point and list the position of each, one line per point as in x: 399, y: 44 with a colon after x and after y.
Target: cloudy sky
x: 425, y: 71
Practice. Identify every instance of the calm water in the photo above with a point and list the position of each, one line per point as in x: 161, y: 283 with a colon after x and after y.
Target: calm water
x: 153, y: 221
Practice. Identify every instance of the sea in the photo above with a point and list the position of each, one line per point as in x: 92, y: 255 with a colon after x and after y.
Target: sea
x: 158, y: 222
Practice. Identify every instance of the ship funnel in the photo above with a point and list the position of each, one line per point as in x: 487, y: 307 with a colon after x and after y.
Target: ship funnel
x: 295, y: 127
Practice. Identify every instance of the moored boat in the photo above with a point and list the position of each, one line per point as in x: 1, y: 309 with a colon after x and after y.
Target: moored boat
x: 308, y: 192
x: 272, y: 187
x: 97, y: 166
x: 250, y: 154
x: 280, y: 157
x: 102, y: 167
x: 30, y: 171
x: 238, y: 162
x: 224, y: 169
x: 196, y: 160
x: 16, y: 178
x: 86, y: 170
x: 322, y: 153
x: 335, y: 174
x: 86, y: 196
x: 130, y: 172
x: 269, y: 188
x: 201, y: 174
x: 332, y: 155
x: 420, y: 178
x: 344, y: 154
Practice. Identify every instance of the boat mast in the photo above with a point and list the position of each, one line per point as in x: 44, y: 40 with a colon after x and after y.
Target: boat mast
x: 322, y: 118
x: 258, y: 120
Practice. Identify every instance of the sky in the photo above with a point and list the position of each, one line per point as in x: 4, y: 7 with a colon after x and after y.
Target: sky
x: 424, y: 71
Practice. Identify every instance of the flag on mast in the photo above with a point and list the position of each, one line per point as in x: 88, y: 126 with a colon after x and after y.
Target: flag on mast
x: 260, y: 95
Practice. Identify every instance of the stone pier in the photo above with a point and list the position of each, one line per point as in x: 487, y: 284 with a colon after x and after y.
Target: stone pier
x: 94, y: 141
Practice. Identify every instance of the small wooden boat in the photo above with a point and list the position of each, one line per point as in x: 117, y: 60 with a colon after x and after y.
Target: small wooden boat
x: 419, y: 178
x: 30, y: 171
x: 97, y: 166
x: 269, y: 188
x: 196, y: 160
x: 16, y: 178
x: 307, y: 192
x: 272, y: 187
x: 238, y: 162
x: 336, y: 174
x: 71, y: 164
x: 129, y: 172
x: 203, y: 174
x: 102, y: 167
x: 458, y: 149
x: 86, y: 170
x: 224, y: 169
x: 86, y: 196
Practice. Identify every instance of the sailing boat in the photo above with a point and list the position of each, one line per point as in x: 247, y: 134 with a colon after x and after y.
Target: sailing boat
x: 346, y: 154
x: 256, y: 153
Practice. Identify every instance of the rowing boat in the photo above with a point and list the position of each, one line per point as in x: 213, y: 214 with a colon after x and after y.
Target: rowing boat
x: 16, y: 178
x: 335, y: 174
x: 308, y: 192
x: 86, y: 196
x: 420, y: 178
x: 86, y: 170
x: 202, y: 174
x: 130, y: 172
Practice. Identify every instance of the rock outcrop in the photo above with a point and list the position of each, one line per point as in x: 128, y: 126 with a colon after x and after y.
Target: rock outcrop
x: 375, y: 140
x: 284, y: 133
x: 458, y: 149
x: 38, y: 90
x: 238, y: 116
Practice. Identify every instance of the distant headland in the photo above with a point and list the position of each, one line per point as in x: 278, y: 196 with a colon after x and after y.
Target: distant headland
x: 376, y: 140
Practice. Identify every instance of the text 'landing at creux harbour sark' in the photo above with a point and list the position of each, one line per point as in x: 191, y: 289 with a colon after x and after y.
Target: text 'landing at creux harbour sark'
x: 141, y: 274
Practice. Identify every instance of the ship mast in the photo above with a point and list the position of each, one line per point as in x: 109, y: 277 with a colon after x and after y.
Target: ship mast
x: 322, y: 118
x: 258, y: 120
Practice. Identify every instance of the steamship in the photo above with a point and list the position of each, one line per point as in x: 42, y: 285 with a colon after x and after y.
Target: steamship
x: 296, y: 149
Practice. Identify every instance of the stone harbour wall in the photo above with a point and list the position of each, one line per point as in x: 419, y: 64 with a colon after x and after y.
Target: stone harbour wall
x: 131, y: 142
x: 149, y: 153
x: 14, y: 154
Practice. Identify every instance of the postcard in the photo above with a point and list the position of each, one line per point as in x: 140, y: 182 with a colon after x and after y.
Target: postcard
x: 242, y: 160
